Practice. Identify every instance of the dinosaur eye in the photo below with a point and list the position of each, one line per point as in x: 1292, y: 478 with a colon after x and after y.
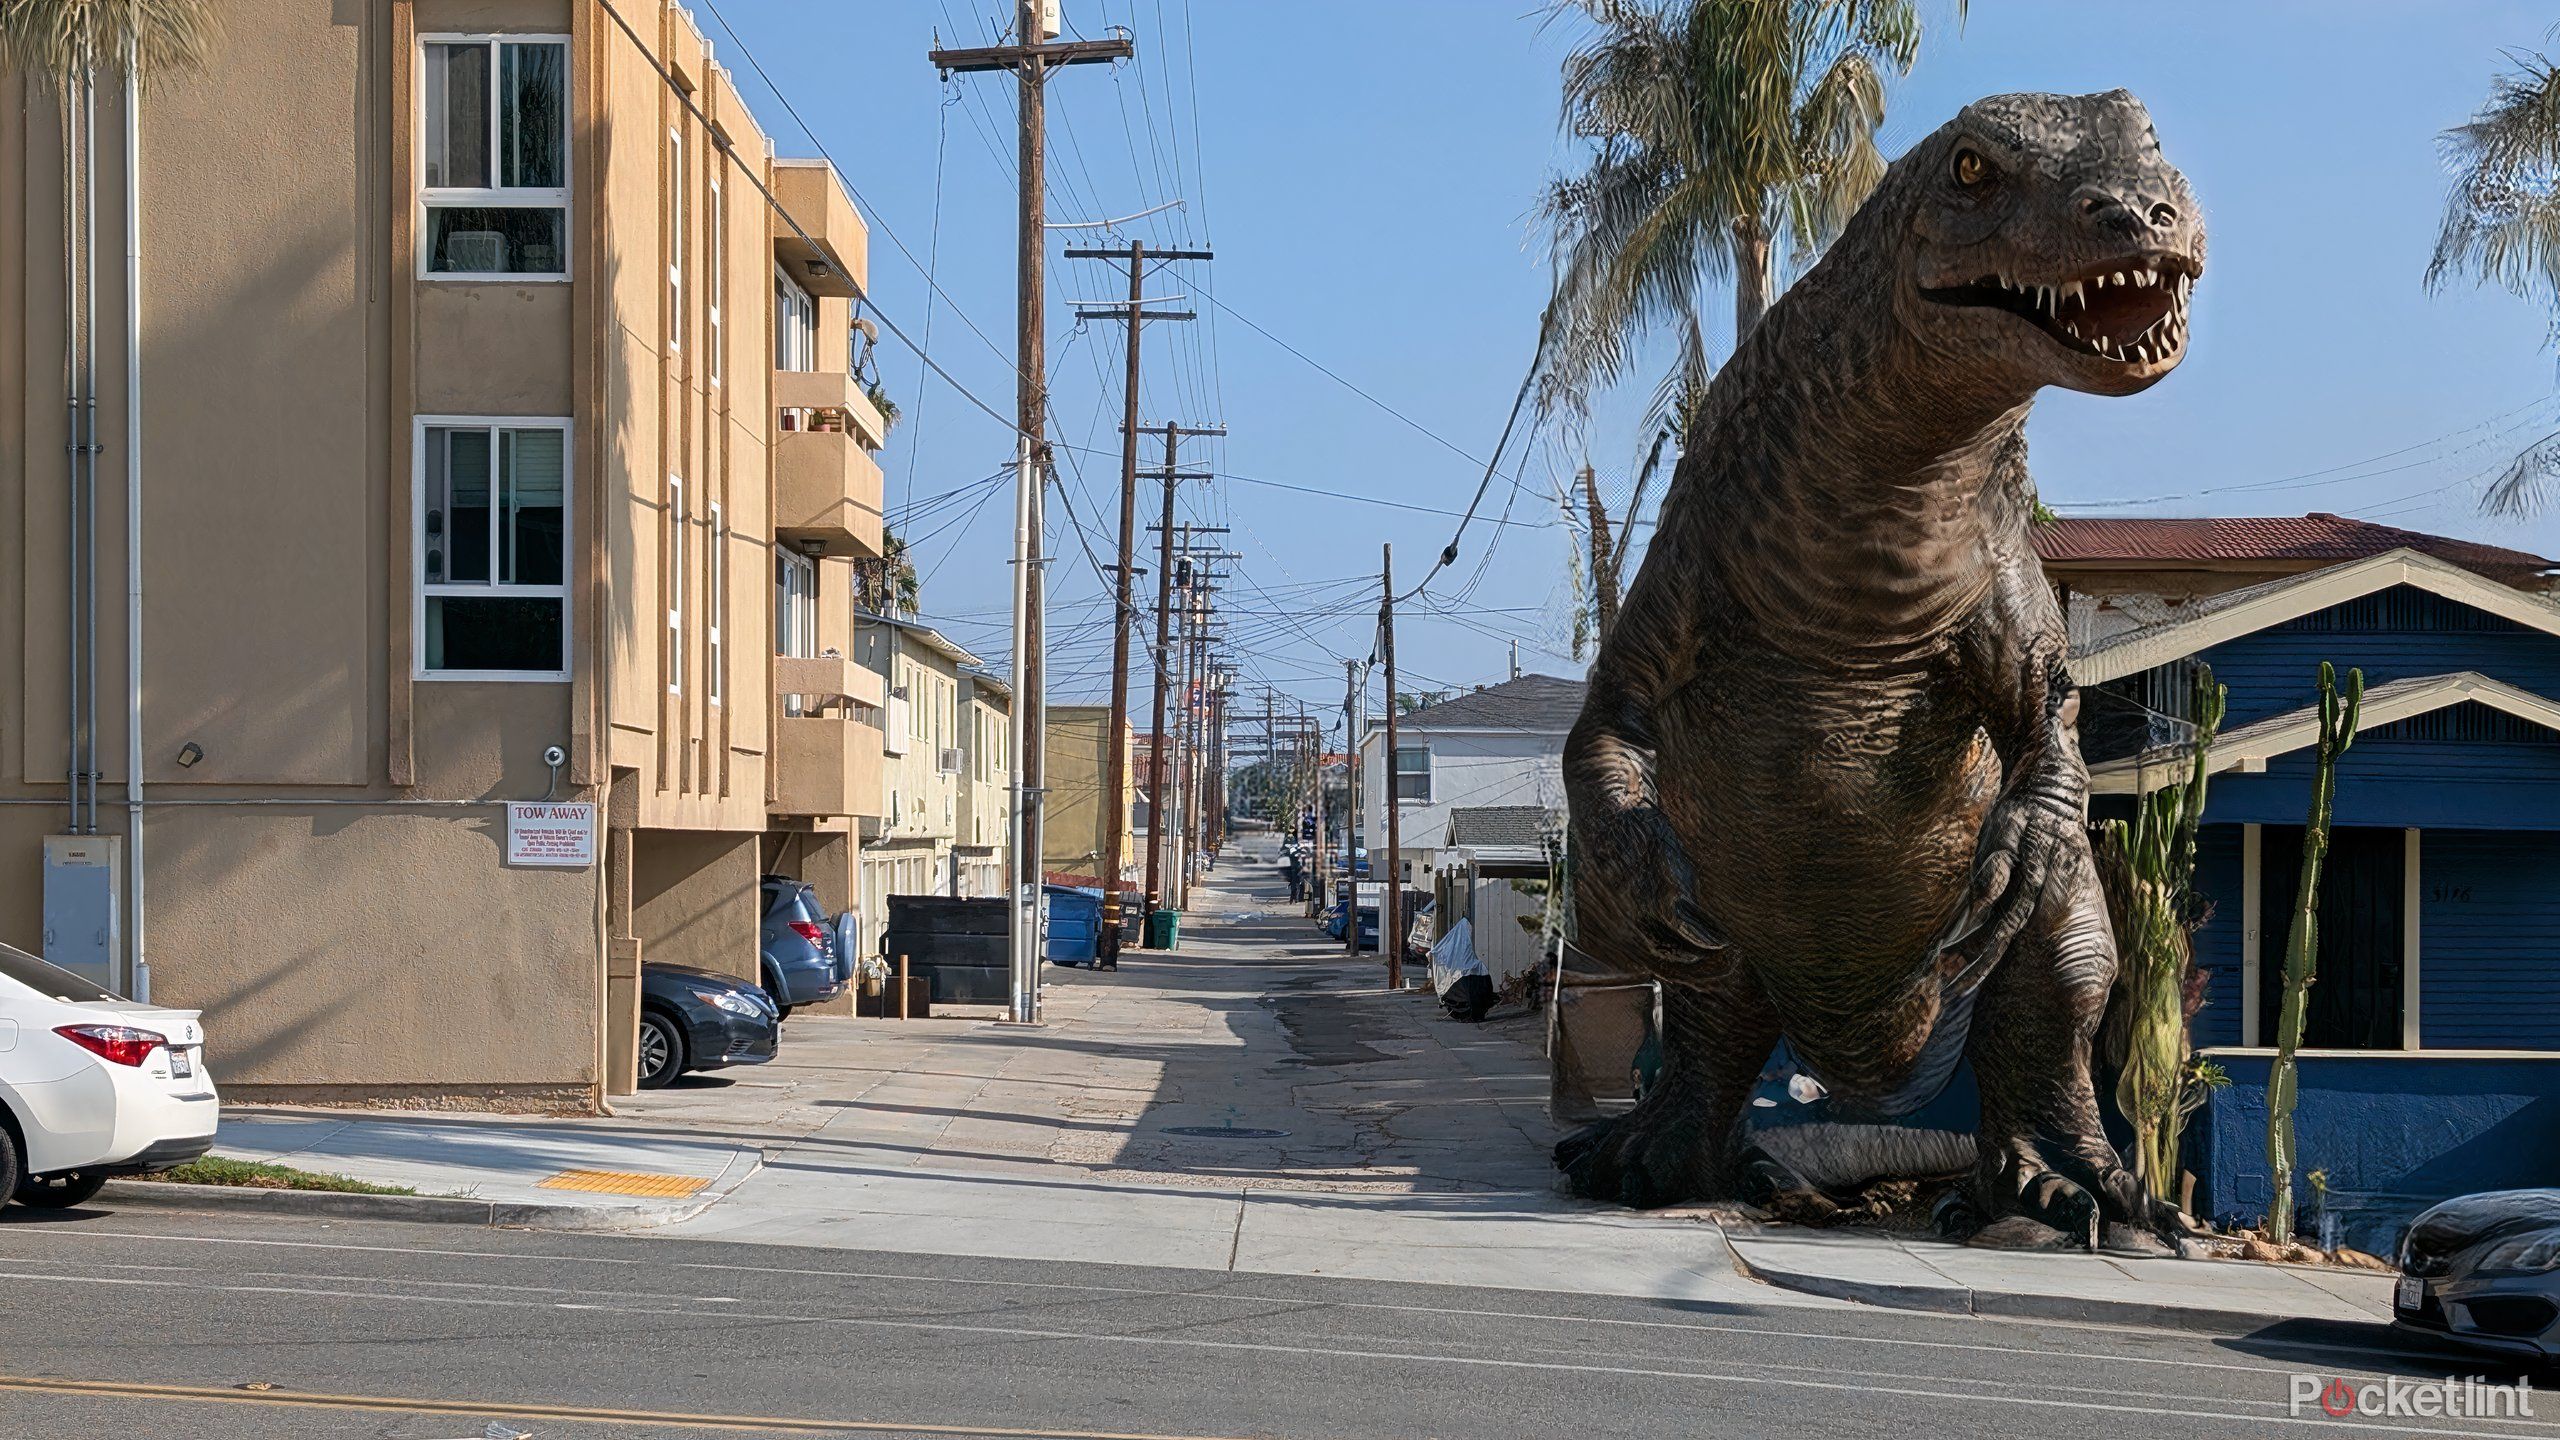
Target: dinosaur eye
x: 1971, y: 169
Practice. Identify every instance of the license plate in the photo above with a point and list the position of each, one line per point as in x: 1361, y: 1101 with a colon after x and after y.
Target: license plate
x: 2413, y: 1292
x: 181, y: 1064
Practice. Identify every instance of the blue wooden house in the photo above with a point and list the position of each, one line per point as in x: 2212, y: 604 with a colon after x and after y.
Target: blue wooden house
x: 2431, y: 1064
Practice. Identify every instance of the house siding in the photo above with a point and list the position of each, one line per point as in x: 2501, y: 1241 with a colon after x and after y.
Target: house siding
x: 2219, y: 940
x: 2394, y: 1133
x: 2467, y: 784
x: 2489, y: 940
x: 2392, y: 634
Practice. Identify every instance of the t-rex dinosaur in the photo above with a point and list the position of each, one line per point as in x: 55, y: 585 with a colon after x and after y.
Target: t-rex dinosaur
x: 1827, y: 784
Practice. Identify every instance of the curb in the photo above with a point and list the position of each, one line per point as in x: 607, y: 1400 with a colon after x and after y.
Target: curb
x: 1955, y: 1299
x: 410, y: 1209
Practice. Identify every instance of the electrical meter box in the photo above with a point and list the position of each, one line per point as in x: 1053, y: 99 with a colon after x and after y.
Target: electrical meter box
x: 83, y: 906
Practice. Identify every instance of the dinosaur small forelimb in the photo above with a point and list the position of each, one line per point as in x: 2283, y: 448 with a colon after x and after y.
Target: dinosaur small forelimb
x: 1635, y: 858
x: 2013, y: 866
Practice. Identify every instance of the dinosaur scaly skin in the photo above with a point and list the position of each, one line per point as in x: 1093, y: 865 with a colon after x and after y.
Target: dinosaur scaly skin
x: 1827, y: 783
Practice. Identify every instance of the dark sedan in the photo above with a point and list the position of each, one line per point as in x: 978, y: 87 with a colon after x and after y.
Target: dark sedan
x: 2484, y: 1270
x: 697, y: 1020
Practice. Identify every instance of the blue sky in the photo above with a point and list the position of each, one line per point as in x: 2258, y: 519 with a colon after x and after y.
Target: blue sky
x: 1366, y: 173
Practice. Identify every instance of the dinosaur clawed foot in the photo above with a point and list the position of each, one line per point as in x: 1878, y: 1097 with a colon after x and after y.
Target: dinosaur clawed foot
x: 1650, y: 1157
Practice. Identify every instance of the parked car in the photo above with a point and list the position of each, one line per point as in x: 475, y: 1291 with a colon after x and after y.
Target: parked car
x: 94, y: 1085
x: 697, y: 1020
x: 802, y: 965
x: 2484, y: 1271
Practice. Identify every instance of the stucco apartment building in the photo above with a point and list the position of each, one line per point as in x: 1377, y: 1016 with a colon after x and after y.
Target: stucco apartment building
x: 488, y: 412
x: 942, y: 827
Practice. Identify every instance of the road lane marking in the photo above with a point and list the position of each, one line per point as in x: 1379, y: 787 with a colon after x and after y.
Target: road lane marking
x: 1371, y: 1354
x: 1533, y: 1317
x: 660, y: 1302
x: 540, y: 1410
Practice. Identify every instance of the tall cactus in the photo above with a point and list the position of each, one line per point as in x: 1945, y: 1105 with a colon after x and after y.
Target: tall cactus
x: 2302, y: 945
x: 2152, y: 868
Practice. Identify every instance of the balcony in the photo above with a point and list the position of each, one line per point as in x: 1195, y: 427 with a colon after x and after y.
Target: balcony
x: 826, y: 493
x: 813, y: 390
x: 827, y: 765
x: 829, y: 680
x: 830, y: 251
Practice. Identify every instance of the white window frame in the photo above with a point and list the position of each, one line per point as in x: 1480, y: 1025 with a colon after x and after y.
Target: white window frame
x: 502, y: 197
x: 418, y: 588
x: 675, y: 584
x: 716, y: 280
x: 675, y: 238
x: 716, y: 606
x: 784, y: 309
x: 795, y: 612
x: 1428, y: 772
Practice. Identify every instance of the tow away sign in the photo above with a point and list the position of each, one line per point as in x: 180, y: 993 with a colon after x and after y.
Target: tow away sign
x: 544, y: 832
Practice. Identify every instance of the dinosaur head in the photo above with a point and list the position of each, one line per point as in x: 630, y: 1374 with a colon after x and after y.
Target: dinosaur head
x: 2047, y: 237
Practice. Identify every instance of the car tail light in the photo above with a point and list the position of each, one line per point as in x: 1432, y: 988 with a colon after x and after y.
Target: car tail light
x: 814, y: 933
x: 122, y: 1044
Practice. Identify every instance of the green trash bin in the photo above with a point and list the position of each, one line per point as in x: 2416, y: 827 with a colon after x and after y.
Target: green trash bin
x: 1164, y: 928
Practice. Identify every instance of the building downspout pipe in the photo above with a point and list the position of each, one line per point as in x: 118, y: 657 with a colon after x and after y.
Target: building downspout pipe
x: 89, y: 456
x: 141, y: 971
x: 71, y: 449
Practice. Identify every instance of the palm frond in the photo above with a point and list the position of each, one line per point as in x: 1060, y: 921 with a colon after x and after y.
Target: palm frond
x: 1706, y: 120
x: 1671, y: 418
x: 2522, y: 490
x: 2501, y: 227
x: 2502, y: 217
x: 57, y: 41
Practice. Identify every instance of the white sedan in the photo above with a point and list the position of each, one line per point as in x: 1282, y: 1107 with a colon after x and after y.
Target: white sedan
x: 93, y: 1085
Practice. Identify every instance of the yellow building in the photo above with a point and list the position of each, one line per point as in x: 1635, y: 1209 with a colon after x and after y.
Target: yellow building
x: 496, y: 432
x: 1077, y: 778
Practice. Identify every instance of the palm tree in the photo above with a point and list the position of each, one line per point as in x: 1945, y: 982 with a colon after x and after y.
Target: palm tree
x: 888, y: 585
x: 64, y: 40
x: 1721, y: 130
x: 2502, y: 226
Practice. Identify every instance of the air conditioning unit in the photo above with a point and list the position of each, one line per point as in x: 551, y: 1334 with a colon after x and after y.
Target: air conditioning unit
x: 951, y: 762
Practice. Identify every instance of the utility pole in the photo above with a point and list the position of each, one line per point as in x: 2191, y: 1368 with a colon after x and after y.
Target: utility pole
x: 1158, y: 811
x: 1030, y: 58
x: 1124, y: 610
x: 1350, y: 798
x: 1391, y: 934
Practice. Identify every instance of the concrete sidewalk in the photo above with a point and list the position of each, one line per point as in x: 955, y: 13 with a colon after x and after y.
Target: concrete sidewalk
x: 1253, y: 1102
x: 578, y: 1174
x: 1906, y: 1274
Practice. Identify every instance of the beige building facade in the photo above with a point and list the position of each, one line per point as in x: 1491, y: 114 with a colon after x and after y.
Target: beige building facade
x: 942, y: 828
x: 491, y: 416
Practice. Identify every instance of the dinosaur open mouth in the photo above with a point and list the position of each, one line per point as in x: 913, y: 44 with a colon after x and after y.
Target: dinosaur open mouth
x: 2133, y: 312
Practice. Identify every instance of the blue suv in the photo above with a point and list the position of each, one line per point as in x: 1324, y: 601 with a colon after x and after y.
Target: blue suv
x: 803, y: 964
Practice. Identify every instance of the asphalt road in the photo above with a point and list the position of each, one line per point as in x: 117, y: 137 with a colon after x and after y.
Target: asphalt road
x: 154, y: 1323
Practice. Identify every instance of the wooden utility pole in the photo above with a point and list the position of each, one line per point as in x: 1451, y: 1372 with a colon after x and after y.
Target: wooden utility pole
x: 1390, y: 933
x: 1158, y: 812
x: 1124, y: 611
x: 1029, y: 58
x: 1350, y: 800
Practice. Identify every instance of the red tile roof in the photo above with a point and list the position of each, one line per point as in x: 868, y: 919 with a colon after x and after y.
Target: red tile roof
x: 2318, y: 538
